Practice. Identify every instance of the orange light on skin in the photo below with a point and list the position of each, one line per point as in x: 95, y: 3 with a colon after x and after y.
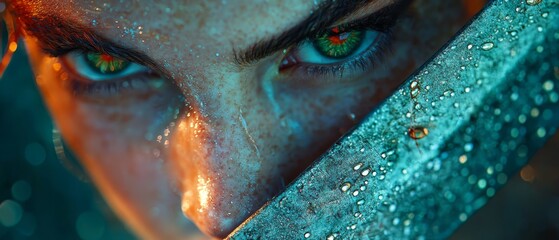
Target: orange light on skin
x: 56, y: 66
x: 472, y: 7
x: 13, y: 46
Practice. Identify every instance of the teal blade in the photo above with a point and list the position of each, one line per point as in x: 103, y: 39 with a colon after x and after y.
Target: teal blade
x: 437, y: 149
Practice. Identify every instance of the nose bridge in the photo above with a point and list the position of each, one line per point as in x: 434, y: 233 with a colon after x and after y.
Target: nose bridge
x: 225, y: 118
x: 215, y: 154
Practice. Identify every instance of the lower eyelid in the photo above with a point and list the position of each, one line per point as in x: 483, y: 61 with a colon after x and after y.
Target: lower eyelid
x: 110, y: 88
x: 85, y: 88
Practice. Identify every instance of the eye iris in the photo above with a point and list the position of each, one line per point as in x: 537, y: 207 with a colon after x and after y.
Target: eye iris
x: 338, y: 44
x: 105, y: 63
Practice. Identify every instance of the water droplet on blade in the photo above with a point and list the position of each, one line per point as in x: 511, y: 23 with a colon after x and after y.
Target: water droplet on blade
x: 418, y: 132
x: 487, y: 46
x: 533, y: 2
x: 345, y: 187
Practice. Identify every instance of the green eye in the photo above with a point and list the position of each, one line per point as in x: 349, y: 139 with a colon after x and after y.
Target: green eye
x: 105, y: 63
x: 338, y: 44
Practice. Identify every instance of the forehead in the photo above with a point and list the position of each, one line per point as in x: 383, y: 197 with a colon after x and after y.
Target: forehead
x: 172, y: 22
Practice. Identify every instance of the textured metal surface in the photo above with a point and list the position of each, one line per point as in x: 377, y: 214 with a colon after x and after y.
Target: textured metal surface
x: 439, y: 147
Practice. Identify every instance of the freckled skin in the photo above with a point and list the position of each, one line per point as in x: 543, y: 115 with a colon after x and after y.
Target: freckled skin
x: 235, y: 135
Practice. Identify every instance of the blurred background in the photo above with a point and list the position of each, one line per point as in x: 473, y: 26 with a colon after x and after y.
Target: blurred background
x: 40, y: 198
x: 45, y: 197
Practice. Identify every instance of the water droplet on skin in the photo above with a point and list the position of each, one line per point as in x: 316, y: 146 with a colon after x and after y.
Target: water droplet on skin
x: 418, y: 132
x: 487, y: 46
x: 470, y: 46
x: 545, y: 14
x: 345, y: 187
x: 383, y: 155
x: 156, y: 153
x: 307, y: 235
x: 533, y: 2
x: 357, y: 214
x: 355, y: 193
x: 361, y: 202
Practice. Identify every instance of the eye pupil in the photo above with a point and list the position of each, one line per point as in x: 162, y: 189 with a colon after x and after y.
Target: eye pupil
x: 338, y: 44
x: 105, y: 63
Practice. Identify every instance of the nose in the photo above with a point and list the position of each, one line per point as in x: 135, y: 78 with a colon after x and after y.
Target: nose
x: 224, y: 162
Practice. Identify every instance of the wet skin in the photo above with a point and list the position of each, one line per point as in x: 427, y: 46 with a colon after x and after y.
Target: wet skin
x: 204, y: 135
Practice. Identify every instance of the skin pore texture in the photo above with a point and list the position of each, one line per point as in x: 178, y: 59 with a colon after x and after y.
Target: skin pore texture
x: 208, y: 138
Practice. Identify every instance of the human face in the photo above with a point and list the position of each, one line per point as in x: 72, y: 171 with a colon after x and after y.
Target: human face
x: 219, y: 104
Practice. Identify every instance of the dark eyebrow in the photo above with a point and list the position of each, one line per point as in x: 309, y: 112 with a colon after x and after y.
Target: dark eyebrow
x: 327, y: 14
x: 59, y: 36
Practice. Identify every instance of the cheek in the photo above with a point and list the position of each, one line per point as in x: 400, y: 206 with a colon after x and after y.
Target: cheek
x: 121, y: 144
x: 322, y: 113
